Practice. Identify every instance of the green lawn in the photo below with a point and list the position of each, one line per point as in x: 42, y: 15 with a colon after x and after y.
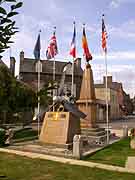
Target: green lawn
x: 21, y: 168
x: 115, y: 154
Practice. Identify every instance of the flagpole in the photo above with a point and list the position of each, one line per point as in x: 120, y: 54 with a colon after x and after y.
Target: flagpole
x: 74, y: 55
x: 72, y: 89
x: 86, y: 85
x: 104, y: 46
x: 107, y: 108
x: 54, y: 73
x: 39, y: 69
x: 53, y: 81
x: 38, y: 97
x: 86, y: 79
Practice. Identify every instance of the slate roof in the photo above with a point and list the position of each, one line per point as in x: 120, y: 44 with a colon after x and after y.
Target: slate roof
x: 28, y: 65
x: 114, y: 85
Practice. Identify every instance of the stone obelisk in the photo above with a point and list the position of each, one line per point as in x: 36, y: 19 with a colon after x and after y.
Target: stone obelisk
x: 87, y: 100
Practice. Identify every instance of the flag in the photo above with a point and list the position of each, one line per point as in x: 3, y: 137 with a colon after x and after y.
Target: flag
x: 37, y: 48
x: 85, y: 47
x: 104, y: 36
x: 52, y: 49
x: 73, y: 44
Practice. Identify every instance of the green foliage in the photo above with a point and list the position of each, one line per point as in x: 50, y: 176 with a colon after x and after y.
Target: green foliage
x: 7, y: 25
x: 132, y: 133
x: 45, y: 99
x: 2, y: 136
x: 15, y: 96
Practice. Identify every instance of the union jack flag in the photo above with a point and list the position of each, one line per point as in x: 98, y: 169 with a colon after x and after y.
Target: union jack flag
x: 52, y: 49
x: 104, y: 36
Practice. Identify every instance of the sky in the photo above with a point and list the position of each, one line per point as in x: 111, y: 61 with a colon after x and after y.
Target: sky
x: 120, y: 25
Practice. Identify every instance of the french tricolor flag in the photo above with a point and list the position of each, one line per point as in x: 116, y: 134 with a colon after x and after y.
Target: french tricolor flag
x: 73, y: 44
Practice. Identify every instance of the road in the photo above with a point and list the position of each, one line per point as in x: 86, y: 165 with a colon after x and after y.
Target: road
x: 128, y: 121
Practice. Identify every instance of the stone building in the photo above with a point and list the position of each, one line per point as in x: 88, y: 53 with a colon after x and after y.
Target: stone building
x: 133, y: 102
x: 28, y: 73
x: 115, y: 94
x: 128, y: 104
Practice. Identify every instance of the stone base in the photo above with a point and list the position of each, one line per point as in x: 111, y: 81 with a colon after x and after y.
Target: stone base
x: 130, y: 163
x: 132, y: 143
x: 95, y: 135
x: 63, y: 146
x: 86, y: 124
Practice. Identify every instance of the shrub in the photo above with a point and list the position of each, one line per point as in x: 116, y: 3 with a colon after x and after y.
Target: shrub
x: 132, y: 133
x: 2, y: 136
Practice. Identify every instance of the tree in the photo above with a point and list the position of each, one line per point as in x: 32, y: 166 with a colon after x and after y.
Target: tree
x: 45, y: 98
x: 15, y: 96
x: 7, y: 24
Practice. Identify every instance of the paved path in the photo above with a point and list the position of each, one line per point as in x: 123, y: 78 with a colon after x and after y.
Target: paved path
x: 68, y: 161
x: 128, y: 121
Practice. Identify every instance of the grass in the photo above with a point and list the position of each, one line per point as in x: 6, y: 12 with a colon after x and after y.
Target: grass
x: 15, y: 167
x: 25, y: 133
x: 115, y: 154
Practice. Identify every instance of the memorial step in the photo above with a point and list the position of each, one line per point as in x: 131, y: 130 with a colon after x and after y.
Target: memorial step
x: 93, y: 133
x: 93, y: 129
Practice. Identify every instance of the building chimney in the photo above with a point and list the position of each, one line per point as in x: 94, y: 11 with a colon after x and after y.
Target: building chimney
x: 78, y: 62
x: 21, y: 56
x: 12, y: 65
x: 109, y: 80
x: 21, y: 61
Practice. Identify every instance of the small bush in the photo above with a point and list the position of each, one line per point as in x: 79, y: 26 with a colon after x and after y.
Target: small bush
x: 2, y: 137
x: 132, y: 133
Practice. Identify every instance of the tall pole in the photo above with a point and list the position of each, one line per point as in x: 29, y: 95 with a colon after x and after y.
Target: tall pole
x: 54, y: 68
x: 104, y: 46
x: 53, y: 81
x: 73, y: 53
x: 72, y: 88
x: 107, y: 108
x: 86, y: 83
x: 39, y: 69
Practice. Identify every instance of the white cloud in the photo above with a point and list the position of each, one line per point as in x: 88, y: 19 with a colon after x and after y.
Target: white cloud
x: 120, y: 73
x: 117, y: 3
x: 114, y: 4
x: 125, y: 30
x: 119, y: 55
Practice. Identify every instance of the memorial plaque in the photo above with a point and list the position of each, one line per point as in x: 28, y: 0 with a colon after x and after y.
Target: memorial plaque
x: 59, y: 128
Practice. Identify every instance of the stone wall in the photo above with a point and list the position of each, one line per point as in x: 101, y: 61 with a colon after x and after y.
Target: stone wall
x: 31, y: 79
